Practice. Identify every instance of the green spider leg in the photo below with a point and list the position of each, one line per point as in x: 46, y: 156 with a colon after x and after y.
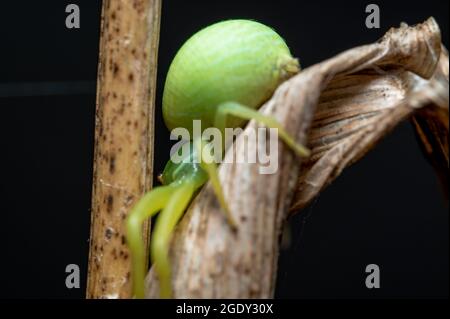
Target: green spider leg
x: 244, y: 112
x: 165, y: 224
x: 208, y: 164
x: 147, y: 206
x: 173, y: 200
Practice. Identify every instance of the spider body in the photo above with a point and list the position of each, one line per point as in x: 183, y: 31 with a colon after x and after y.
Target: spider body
x: 234, y: 60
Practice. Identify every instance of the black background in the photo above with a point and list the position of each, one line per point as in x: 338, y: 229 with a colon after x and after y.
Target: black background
x: 387, y: 209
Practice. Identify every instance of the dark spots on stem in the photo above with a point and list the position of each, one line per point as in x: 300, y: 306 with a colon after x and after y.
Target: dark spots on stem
x: 115, y: 69
x: 114, y: 253
x: 108, y: 233
x: 109, y: 203
x: 112, y: 164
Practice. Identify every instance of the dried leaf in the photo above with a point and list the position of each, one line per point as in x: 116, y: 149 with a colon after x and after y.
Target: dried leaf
x: 357, y: 110
x: 346, y: 104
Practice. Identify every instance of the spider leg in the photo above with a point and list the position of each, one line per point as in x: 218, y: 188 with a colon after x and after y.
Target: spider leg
x: 181, y: 195
x: 208, y: 164
x: 146, y: 207
x: 241, y: 111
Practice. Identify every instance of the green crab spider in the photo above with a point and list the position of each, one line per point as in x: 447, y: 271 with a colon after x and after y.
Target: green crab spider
x: 256, y: 60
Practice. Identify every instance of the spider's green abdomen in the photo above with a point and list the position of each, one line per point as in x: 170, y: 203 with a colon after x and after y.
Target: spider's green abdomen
x: 234, y: 60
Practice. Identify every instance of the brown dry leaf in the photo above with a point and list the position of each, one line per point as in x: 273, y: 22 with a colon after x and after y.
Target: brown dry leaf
x: 357, y: 110
x: 346, y: 104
